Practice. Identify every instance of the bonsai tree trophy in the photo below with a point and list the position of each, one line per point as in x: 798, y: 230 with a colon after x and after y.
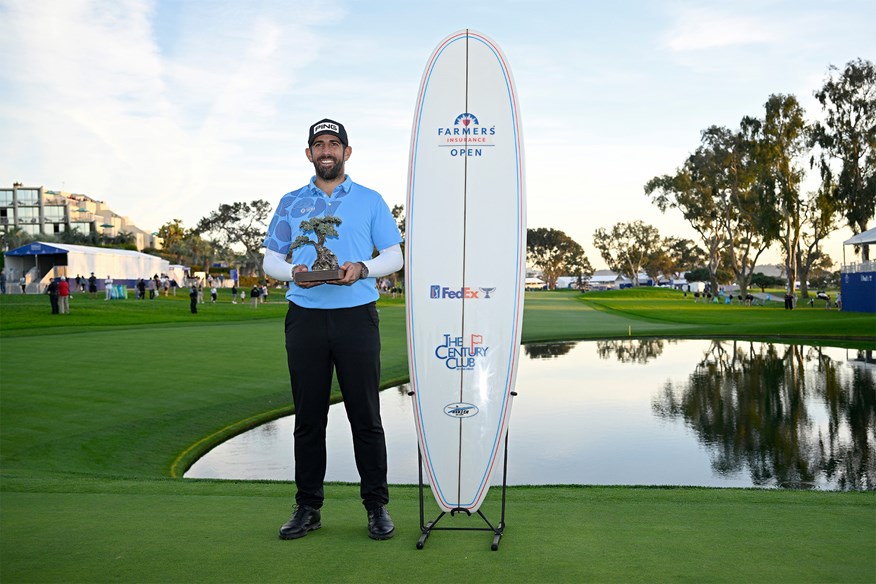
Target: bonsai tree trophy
x: 325, y: 267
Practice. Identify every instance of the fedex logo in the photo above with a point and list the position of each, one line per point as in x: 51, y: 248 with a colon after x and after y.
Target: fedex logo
x: 437, y: 292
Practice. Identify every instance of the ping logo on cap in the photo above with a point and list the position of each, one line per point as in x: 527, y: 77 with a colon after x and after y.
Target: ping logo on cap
x: 326, y: 127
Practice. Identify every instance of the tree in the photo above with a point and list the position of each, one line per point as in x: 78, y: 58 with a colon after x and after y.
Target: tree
x: 172, y: 233
x: 750, y: 223
x: 823, y: 276
x: 555, y: 254
x: 715, y: 192
x: 398, y: 213
x: 323, y: 227
x: 779, y: 141
x: 685, y: 254
x: 578, y: 266
x: 847, y: 139
x: 671, y: 257
x: 763, y: 281
x: 13, y: 238
x: 239, y: 224
x: 626, y: 248
x: 698, y: 275
x: 693, y: 197
x: 198, y: 250
x: 819, y: 220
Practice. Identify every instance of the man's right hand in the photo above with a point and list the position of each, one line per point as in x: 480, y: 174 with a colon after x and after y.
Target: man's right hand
x: 302, y: 268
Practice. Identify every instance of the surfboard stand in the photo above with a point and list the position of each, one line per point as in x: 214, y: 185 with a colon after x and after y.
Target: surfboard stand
x: 426, y: 529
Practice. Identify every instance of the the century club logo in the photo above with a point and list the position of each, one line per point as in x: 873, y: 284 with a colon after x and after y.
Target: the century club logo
x: 461, y: 353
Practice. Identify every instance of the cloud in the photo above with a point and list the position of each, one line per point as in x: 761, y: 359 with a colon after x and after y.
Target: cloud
x: 704, y: 28
x: 100, y: 103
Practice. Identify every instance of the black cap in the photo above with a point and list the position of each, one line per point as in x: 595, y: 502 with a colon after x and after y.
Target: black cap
x: 328, y: 126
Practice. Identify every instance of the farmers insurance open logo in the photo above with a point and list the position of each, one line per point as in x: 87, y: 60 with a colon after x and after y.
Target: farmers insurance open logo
x: 466, y: 137
x: 461, y: 353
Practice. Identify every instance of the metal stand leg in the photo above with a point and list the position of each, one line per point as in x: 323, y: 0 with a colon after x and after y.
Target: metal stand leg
x: 426, y: 529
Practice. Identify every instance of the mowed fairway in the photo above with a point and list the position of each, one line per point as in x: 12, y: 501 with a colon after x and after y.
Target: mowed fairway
x: 99, y: 411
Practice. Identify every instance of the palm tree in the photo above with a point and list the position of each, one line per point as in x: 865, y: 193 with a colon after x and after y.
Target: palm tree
x: 14, y: 237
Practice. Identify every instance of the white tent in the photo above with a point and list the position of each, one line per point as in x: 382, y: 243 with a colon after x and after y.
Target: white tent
x: 868, y: 236
x: 533, y: 283
x: 40, y: 261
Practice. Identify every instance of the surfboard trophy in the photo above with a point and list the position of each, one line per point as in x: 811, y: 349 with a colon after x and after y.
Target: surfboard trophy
x: 465, y: 246
x: 325, y: 268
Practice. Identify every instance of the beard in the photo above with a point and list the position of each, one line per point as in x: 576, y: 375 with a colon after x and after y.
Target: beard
x: 330, y: 172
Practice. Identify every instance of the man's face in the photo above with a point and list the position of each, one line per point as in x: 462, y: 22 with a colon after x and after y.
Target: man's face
x: 328, y: 156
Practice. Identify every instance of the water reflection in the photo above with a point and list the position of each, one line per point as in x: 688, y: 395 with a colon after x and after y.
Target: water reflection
x: 547, y: 350
x: 752, y: 404
x: 632, y: 350
x: 627, y: 412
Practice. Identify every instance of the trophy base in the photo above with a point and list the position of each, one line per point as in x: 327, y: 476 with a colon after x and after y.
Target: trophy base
x: 319, y: 276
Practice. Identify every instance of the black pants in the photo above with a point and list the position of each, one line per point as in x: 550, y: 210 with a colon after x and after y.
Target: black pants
x: 346, y: 340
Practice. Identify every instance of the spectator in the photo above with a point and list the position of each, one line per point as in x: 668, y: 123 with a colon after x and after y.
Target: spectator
x: 193, y: 299
x: 52, y: 291
x: 64, y: 296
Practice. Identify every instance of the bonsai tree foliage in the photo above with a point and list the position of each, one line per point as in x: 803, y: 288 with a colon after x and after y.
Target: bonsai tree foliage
x: 323, y: 227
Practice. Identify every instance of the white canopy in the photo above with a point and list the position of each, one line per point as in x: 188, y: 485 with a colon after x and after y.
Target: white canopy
x: 82, y: 260
x: 867, y: 237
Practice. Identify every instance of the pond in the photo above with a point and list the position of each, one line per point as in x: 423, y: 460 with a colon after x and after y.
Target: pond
x: 638, y: 412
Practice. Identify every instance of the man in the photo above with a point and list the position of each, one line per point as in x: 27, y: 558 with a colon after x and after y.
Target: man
x: 193, y: 299
x: 52, y: 291
x: 92, y: 285
x: 334, y: 326
x: 108, y: 287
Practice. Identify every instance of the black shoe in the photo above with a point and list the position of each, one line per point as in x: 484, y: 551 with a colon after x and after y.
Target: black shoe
x: 303, y: 519
x: 380, y: 525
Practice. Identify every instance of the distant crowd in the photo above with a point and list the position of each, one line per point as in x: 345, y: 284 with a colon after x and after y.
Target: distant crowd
x: 60, y: 289
x: 790, y: 299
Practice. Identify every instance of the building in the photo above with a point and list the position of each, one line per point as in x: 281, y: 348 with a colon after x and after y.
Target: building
x: 608, y: 280
x: 39, y: 212
x: 858, y: 279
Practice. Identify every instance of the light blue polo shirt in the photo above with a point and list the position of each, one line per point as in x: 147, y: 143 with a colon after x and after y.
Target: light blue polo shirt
x: 366, y: 223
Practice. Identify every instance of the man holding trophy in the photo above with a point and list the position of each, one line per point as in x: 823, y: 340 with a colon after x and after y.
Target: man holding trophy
x: 330, y: 229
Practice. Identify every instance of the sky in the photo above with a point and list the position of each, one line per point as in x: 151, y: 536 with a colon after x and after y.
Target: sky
x: 166, y: 109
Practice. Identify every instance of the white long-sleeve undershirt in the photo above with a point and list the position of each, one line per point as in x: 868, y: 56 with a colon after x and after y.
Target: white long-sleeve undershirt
x: 389, y: 260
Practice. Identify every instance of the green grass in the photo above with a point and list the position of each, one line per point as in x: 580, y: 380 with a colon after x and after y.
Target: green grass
x: 210, y: 531
x: 101, y: 408
x: 684, y: 317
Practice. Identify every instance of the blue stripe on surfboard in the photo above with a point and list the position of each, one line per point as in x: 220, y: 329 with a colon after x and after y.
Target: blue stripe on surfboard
x: 502, y: 425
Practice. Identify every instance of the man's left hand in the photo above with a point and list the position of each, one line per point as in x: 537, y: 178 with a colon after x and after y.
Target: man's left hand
x: 352, y: 274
